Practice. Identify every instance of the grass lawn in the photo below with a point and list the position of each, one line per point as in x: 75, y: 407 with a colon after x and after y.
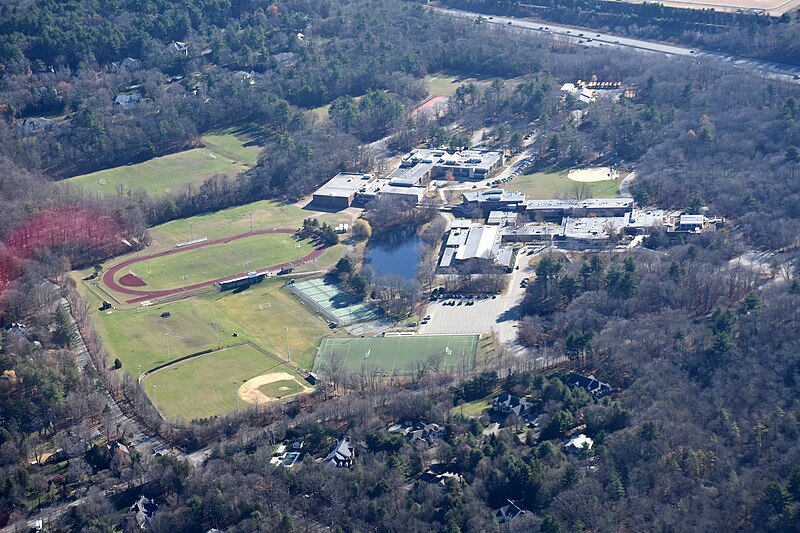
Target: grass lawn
x: 555, y: 184
x: 203, y: 386
x: 219, y: 260
x: 280, y: 389
x: 224, y: 153
x: 140, y: 337
x: 443, y: 84
x: 264, y: 214
x: 475, y: 407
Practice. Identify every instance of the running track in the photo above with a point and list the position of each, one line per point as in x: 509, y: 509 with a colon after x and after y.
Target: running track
x: 141, y: 295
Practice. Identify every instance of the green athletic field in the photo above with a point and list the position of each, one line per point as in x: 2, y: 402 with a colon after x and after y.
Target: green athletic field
x: 223, y: 153
x: 142, y: 340
x: 555, y: 184
x: 203, y: 386
x: 218, y: 260
x: 397, y: 355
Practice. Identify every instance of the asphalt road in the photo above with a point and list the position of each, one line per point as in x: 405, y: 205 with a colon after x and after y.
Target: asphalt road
x: 581, y: 36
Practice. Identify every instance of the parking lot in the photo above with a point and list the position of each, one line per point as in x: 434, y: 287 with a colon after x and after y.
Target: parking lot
x: 500, y: 313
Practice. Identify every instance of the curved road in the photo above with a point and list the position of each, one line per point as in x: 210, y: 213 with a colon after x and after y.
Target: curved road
x: 141, y: 295
x: 581, y: 36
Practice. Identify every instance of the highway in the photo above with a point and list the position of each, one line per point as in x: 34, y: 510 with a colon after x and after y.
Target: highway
x: 592, y: 38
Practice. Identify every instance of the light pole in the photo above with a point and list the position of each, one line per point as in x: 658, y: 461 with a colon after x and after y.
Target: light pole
x: 140, y: 369
x: 185, y: 280
x: 154, y: 394
x: 236, y: 392
x: 288, y: 350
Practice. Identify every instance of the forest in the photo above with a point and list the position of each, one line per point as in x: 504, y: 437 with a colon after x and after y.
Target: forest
x: 701, y: 431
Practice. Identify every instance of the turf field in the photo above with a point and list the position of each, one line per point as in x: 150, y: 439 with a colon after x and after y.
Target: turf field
x: 555, y: 184
x: 397, y: 355
x: 223, y: 153
x: 218, y: 260
x: 141, y: 339
x: 204, y: 386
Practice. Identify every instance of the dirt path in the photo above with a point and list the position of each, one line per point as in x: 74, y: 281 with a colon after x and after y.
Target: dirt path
x: 142, y: 295
x: 249, y: 390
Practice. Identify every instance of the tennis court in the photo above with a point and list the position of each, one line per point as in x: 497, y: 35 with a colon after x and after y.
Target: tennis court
x: 337, y: 305
x: 397, y: 354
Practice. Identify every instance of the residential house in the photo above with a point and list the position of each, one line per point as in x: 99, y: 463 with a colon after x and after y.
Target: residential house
x: 440, y: 479
x: 178, y: 47
x: 508, y: 512
x: 126, y: 100
x: 342, y: 455
x: 425, y: 433
x: 506, y: 404
x: 126, y: 65
x: 590, y: 384
x: 143, y: 508
x: 579, y: 444
x: 34, y: 125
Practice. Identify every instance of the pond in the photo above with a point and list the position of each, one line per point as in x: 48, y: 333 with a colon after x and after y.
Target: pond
x: 396, y: 254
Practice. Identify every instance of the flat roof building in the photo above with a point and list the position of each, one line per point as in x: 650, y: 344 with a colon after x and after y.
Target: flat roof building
x: 340, y: 191
x: 494, y: 200
x: 464, y: 165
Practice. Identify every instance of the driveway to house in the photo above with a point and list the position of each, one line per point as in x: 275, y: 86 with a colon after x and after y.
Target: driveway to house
x: 501, y: 314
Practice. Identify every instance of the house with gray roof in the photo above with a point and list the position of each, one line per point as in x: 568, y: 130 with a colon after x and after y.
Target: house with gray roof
x: 342, y: 455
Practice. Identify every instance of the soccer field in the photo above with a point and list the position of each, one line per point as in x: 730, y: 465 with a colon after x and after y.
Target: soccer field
x: 263, y: 314
x: 217, y: 261
x: 397, y: 354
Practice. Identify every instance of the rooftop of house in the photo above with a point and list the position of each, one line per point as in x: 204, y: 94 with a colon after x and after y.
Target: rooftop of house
x: 343, y: 451
x: 580, y: 442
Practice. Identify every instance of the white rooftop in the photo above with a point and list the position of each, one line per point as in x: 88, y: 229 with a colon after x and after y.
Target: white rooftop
x: 580, y: 442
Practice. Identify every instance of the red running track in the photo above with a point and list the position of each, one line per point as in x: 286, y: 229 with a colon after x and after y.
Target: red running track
x: 110, y: 282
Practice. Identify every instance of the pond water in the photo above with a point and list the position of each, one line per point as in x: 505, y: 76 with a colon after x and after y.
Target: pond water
x: 396, y: 254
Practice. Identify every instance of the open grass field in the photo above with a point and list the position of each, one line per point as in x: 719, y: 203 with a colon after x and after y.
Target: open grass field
x: 397, y: 355
x: 264, y: 214
x: 475, y: 407
x: 141, y: 339
x: 223, y: 153
x: 204, y: 386
x: 555, y: 184
x: 218, y: 260
x: 444, y: 84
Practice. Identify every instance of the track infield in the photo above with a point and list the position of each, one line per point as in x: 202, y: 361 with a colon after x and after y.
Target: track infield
x: 398, y: 354
x: 210, y: 266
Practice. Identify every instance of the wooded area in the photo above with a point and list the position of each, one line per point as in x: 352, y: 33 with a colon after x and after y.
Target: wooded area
x: 702, y: 429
